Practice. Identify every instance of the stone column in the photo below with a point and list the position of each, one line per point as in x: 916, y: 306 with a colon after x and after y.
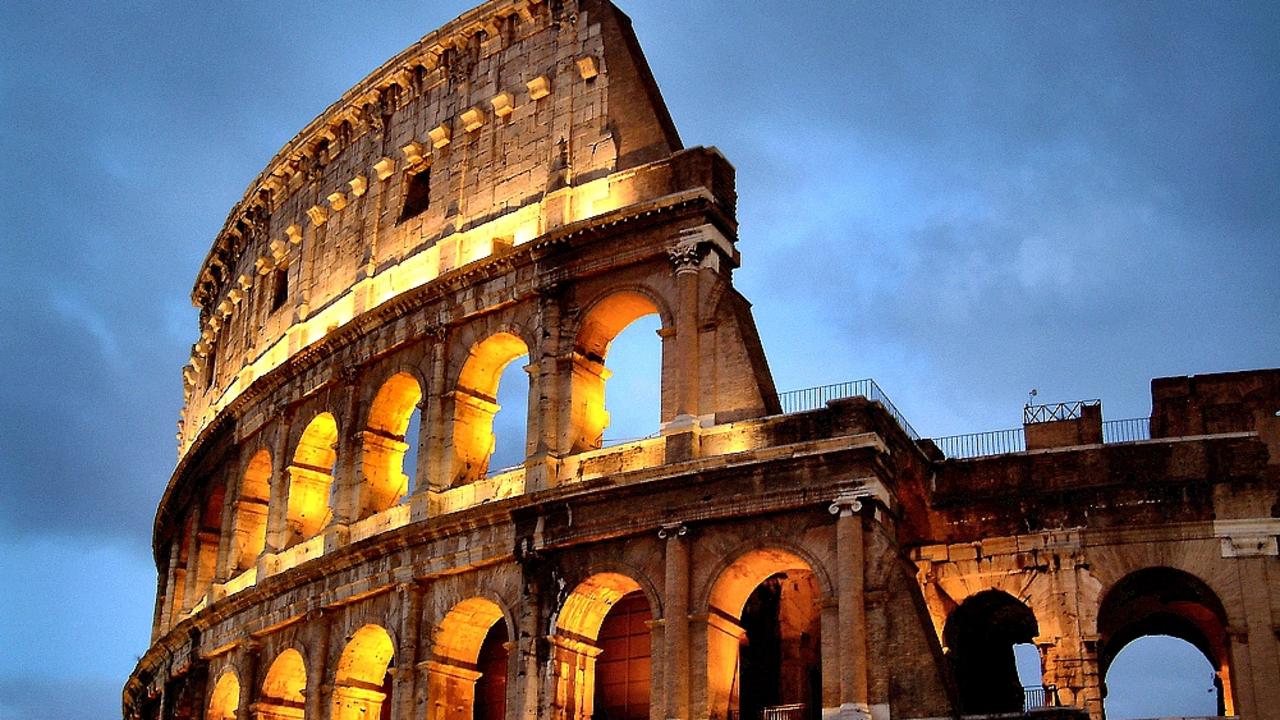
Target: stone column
x: 278, y: 505
x: 451, y: 691
x: 406, y: 667
x: 175, y: 582
x: 686, y: 257
x: 249, y: 683
x: 319, y: 686
x: 549, y: 391
x: 435, y: 424
x: 852, y: 608
x: 347, y: 475
x: 223, y: 569
x: 676, y: 622
x: 572, y: 678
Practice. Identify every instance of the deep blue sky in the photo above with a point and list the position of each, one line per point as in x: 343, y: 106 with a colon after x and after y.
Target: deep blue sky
x: 963, y: 201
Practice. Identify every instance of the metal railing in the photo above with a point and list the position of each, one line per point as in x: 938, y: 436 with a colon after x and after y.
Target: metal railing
x: 1127, y: 430
x: 817, y: 397
x: 794, y: 711
x: 1056, y: 411
x: 1013, y: 440
x: 1039, y: 697
x: 992, y: 442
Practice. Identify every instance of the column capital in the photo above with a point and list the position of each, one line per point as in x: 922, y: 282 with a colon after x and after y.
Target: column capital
x: 846, y: 504
x: 671, y: 531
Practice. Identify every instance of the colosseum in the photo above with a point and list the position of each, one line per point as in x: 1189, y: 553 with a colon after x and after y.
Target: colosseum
x: 334, y: 543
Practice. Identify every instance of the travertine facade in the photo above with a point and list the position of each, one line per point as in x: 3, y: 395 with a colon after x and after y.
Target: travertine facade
x: 512, y: 186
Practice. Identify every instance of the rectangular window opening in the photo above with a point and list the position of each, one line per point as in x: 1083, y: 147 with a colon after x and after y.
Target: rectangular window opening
x: 279, y: 288
x: 417, y: 194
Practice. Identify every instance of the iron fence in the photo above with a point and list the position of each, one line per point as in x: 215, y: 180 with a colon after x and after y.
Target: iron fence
x: 794, y: 711
x: 817, y: 397
x: 1056, y: 411
x: 1127, y: 430
x: 1013, y: 440
x: 1039, y: 697
x: 992, y: 442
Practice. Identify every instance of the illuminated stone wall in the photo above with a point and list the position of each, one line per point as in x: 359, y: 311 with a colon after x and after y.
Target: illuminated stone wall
x: 498, y: 122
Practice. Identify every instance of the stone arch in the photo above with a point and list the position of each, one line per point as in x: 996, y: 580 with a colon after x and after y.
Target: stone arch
x: 383, y: 443
x: 249, y: 529
x: 204, y: 558
x: 601, y: 322
x: 182, y: 560
x: 978, y: 638
x: 782, y: 550
x: 475, y: 402
x: 469, y: 661
x: 764, y: 632
x: 284, y: 688
x: 362, y: 679
x: 311, y: 479
x: 1166, y: 601
x: 601, y: 648
x: 224, y: 701
x: 633, y: 572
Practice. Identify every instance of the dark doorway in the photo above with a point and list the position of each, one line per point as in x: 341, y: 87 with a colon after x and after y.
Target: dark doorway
x: 623, y: 667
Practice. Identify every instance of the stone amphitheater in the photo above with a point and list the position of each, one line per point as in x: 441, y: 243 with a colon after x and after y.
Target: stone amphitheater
x: 512, y: 186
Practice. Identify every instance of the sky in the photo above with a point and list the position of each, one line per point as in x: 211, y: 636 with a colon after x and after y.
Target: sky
x: 964, y: 201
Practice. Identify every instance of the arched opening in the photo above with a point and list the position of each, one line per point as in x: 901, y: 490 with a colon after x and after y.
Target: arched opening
x: 208, y: 535
x: 1181, y: 610
x: 979, y: 638
x: 178, y: 592
x: 224, y: 703
x: 475, y: 403
x: 362, y: 683
x: 467, y: 674
x: 284, y: 688
x: 622, y: 321
x: 510, y: 421
x: 311, y: 479
x: 1162, y: 676
x: 249, y: 535
x: 601, y: 649
x: 385, y: 442
x: 764, y: 639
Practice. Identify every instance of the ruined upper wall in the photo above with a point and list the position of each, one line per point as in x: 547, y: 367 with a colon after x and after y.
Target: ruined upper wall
x: 487, y: 133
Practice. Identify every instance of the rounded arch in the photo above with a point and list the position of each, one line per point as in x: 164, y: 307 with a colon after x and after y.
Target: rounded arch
x: 203, y: 560
x: 633, y: 572
x: 586, y: 607
x: 1166, y: 601
x: 383, y: 443
x: 475, y: 403
x: 249, y: 533
x: 285, y: 684
x: 362, y: 677
x: 311, y: 478
x: 460, y: 634
x: 224, y: 701
x: 365, y: 658
x: 730, y: 583
x: 604, y: 319
x: 397, y: 396
x: 764, y: 641
x: 602, y: 645
x: 979, y: 638
x: 607, y: 314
